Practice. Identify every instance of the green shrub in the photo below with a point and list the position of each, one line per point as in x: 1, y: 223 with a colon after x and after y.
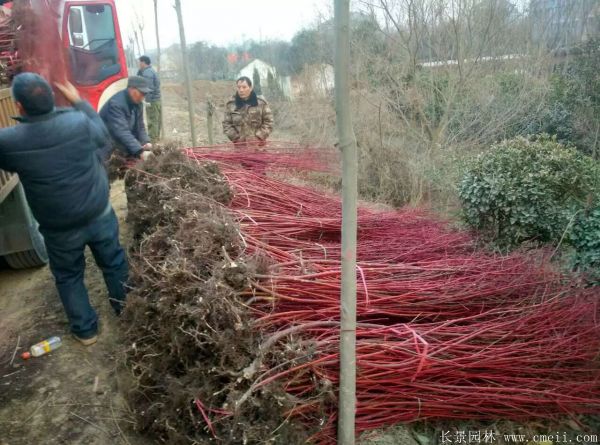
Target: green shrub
x: 554, y: 119
x: 526, y: 190
x: 585, y: 239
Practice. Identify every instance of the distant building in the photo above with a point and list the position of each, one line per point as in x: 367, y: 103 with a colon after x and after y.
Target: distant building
x: 264, y: 69
x: 564, y: 23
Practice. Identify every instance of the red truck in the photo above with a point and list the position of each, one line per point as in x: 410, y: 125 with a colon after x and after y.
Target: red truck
x: 78, y: 40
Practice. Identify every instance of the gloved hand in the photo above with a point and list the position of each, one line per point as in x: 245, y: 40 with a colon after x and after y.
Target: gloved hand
x: 146, y: 154
x: 147, y: 146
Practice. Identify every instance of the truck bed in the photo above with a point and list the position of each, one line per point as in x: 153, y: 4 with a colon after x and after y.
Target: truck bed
x: 8, y: 108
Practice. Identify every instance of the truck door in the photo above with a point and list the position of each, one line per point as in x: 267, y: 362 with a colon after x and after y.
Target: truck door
x: 94, y: 47
x: 92, y: 44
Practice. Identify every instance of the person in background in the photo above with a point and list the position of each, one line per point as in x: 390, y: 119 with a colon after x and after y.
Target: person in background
x: 124, y: 117
x: 55, y: 153
x: 154, y: 109
x: 248, y: 118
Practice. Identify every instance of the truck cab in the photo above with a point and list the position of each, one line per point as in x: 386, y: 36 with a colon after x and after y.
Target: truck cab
x: 92, y: 39
x: 79, y: 40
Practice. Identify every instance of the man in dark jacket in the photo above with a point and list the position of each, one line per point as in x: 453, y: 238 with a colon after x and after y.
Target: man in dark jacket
x: 55, y: 153
x: 124, y: 117
x: 154, y: 109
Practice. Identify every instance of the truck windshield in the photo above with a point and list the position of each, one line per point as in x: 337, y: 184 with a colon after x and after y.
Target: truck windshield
x: 92, y: 43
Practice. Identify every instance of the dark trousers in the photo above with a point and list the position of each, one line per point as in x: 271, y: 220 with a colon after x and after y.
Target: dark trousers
x: 67, y: 262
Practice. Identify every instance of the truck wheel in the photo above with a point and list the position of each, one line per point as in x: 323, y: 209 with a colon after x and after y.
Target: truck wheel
x: 35, y: 257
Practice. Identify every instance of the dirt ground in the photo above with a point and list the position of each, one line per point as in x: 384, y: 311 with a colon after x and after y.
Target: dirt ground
x: 70, y: 396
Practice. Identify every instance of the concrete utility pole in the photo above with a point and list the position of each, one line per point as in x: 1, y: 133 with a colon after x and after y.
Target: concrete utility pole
x: 186, y: 71
x: 347, y: 144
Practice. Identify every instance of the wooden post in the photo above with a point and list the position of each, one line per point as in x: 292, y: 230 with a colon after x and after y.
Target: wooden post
x: 210, y: 111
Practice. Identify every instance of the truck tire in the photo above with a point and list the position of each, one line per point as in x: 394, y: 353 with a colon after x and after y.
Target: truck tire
x: 35, y: 257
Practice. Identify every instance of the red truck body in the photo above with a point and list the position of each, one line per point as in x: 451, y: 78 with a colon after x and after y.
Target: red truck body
x: 78, y: 40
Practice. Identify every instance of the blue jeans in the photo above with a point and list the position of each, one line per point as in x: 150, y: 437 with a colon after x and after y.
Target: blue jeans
x: 67, y: 263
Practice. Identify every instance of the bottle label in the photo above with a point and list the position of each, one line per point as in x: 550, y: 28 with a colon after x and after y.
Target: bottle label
x: 46, y: 346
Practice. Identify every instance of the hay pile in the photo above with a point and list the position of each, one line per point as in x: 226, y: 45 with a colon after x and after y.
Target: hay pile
x: 190, y: 337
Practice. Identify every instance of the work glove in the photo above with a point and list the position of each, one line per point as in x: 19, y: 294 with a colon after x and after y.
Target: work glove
x: 146, y: 154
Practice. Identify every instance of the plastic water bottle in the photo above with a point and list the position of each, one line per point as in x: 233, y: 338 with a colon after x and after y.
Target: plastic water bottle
x: 42, y: 348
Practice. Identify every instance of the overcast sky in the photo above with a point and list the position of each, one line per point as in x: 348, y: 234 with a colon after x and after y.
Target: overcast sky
x: 222, y: 22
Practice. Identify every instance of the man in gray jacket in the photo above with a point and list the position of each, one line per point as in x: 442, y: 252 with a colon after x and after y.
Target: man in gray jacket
x: 154, y: 110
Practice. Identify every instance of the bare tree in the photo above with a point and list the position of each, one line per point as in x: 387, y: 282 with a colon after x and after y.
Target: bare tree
x: 157, y: 35
x: 563, y: 24
x: 186, y: 70
x: 158, y: 54
x: 137, y: 40
x: 441, y: 49
x: 131, y: 52
x: 435, y: 80
x: 139, y: 20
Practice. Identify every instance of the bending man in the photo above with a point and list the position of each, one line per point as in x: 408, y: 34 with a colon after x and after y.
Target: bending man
x: 123, y: 115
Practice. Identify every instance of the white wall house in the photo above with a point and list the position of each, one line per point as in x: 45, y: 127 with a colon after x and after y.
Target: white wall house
x: 264, y: 69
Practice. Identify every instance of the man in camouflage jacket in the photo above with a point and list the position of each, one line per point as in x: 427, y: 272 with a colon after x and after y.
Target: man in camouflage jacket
x: 248, y: 118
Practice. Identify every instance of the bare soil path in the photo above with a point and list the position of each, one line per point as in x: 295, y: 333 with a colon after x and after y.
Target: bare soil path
x: 70, y: 396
